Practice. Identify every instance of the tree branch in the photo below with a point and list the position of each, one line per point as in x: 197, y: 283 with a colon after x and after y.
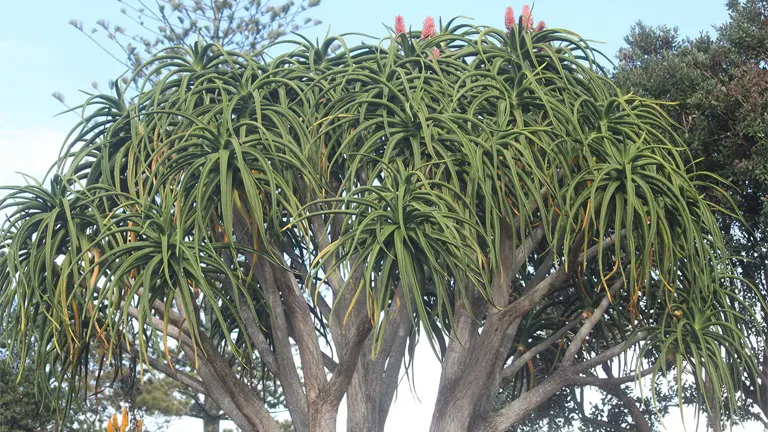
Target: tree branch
x: 393, y: 365
x: 615, y: 390
x: 296, y: 399
x: 516, y: 365
x: 609, y: 353
x: 306, y: 337
x: 334, y: 390
x: 604, y: 424
x: 229, y: 392
x: 180, y: 377
x: 329, y: 363
x: 521, y: 306
x: 544, y: 269
x: 253, y: 329
x: 171, y: 330
x: 570, y: 354
x: 611, y: 381
x: 516, y: 411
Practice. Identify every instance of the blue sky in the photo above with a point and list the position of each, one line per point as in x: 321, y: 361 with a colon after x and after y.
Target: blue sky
x: 41, y: 53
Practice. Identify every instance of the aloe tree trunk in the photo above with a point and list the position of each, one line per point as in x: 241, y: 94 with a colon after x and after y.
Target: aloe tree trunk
x: 375, y: 381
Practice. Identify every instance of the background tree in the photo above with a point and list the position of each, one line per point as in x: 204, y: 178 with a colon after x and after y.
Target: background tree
x: 151, y: 399
x: 486, y: 189
x: 719, y: 89
x: 152, y: 25
x: 20, y: 410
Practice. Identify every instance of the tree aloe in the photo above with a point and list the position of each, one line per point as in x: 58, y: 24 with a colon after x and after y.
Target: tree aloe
x: 487, y: 189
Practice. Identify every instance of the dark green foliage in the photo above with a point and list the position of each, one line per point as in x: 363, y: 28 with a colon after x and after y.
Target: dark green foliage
x: 718, y: 87
x: 20, y: 410
x: 158, y: 395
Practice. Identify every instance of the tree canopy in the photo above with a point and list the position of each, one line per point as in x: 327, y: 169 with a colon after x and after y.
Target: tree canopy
x: 144, y: 28
x: 489, y: 190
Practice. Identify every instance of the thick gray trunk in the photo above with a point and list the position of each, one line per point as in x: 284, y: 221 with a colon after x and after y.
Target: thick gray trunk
x: 227, y: 391
x: 373, y: 385
x: 240, y: 406
x: 322, y: 418
x: 363, y: 398
x: 475, y: 357
x: 467, y: 398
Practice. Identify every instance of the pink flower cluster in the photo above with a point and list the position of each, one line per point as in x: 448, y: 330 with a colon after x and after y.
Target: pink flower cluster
x: 399, y: 24
x: 509, y: 18
x: 426, y: 32
x: 525, y: 17
x: 429, y: 28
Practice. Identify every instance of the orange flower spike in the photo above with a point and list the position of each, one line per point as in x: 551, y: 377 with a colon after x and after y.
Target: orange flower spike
x: 125, y: 422
x: 109, y: 426
x: 139, y: 425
